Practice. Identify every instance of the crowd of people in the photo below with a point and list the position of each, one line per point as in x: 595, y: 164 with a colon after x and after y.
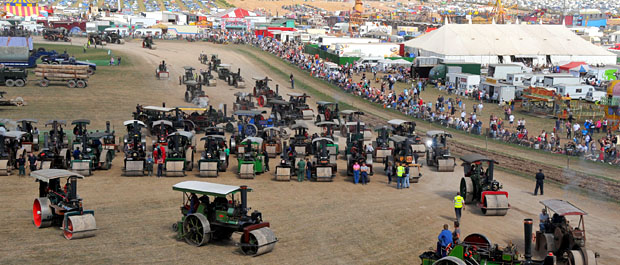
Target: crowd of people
x: 378, y: 86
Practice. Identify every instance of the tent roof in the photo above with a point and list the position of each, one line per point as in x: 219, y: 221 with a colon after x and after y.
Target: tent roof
x: 501, y: 39
x: 235, y: 13
x: 571, y: 65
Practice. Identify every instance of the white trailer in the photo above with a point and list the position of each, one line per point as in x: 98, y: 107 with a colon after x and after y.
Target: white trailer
x: 574, y: 91
x: 560, y: 79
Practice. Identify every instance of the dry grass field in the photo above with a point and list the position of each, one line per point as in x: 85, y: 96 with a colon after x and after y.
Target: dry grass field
x: 316, y: 223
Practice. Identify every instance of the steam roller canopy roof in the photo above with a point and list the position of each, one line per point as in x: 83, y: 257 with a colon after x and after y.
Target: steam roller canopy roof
x: 473, y: 157
x: 562, y: 207
x: 130, y: 122
x: 46, y: 174
x: 206, y: 188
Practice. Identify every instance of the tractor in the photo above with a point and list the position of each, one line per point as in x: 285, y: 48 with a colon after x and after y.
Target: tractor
x: 161, y: 129
x: 10, y: 151
x: 250, y: 123
x: 300, y: 141
x: 61, y: 206
x: 80, y: 133
x: 478, y: 185
x: 243, y: 101
x: 30, y: 140
x: 55, y: 34
x: 350, y: 120
x: 135, y: 149
x: 300, y: 106
x: 355, y: 151
x: 407, y: 129
x: 438, y: 152
x: 95, y: 39
x: 250, y: 158
x: 235, y: 79
x: 285, y: 168
x: 223, y: 72
x: 215, y: 62
x: 327, y: 128
x: 113, y: 37
x: 55, y: 153
x: 478, y: 249
x: 150, y: 114
x: 213, y: 159
x: 187, y: 76
x: 404, y: 154
x: 263, y: 93
x: 162, y: 71
x: 211, y: 117
x: 283, y: 113
x: 216, y: 215
x: 179, y: 154
x: 327, y: 111
x: 193, y: 90
x: 381, y: 145
x: 203, y: 58
x: 95, y: 153
x: 148, y: 43
x: 273, y: 138
x: 560, y: 238
x: 206, y: 78
x: 324, y: 167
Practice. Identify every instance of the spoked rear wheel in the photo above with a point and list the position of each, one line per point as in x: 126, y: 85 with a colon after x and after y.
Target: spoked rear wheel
x: 196, y: 230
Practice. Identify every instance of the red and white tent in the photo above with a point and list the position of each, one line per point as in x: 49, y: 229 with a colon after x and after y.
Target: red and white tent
x: 237, y: 13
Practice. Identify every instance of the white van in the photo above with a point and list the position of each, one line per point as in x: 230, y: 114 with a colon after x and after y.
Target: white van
x: 372, y: 61
x: 594, y: 96
x: 574, y: 91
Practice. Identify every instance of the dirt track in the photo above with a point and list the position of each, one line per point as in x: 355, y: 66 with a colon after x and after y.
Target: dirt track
x: 322, y: 223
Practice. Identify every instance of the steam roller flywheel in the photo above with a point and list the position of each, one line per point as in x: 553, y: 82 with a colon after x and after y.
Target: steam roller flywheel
x: 41, y: 212
x: 260, y: 241
x: 80, y: 226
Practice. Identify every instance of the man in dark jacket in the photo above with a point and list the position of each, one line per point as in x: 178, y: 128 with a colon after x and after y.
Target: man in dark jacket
x: 540, y: 181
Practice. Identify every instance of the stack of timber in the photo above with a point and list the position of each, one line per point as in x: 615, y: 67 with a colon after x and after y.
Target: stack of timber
x: 61, y: 72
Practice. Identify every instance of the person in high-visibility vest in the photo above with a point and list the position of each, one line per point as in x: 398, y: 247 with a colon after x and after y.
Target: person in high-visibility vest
x: 458, y: 205
x: 400, y: 173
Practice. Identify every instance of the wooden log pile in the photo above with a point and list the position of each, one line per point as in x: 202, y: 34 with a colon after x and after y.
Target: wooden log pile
x: 61, y: 72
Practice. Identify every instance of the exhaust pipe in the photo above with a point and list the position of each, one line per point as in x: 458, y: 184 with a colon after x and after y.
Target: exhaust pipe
x: 107, y: 126
x: 277, y: 88
x: 527, y: 228
x: 225, y: 115
x: 244, y: 200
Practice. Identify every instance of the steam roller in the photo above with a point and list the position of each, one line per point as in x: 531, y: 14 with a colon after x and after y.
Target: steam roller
x: 478, y: 185
x: 564, y: 234
x: 438, y: 152
x: 213, y: 217
x: 60, y: 205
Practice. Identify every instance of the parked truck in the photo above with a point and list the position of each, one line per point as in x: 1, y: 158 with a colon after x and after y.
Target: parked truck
x: 21, y: 57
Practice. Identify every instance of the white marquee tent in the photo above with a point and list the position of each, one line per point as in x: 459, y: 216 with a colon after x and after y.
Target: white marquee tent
x: 498, y: 43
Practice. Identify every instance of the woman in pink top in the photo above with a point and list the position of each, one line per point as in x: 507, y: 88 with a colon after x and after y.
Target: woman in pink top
x: 356, y: 172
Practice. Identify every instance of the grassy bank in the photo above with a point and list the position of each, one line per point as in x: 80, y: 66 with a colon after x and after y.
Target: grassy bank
x: 98, y: 56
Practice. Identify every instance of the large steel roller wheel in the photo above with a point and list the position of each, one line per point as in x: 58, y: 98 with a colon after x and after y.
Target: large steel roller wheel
x: 449, y: 260
x: 495, y: 205
x: 41, y: 212
x: 196, y: 230
x: 79, y: 226
x: 467, y: 189
x: 575, y: 257
x: 260, y: 242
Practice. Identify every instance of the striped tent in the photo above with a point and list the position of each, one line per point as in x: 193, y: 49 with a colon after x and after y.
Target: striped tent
x: 23, y: 8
